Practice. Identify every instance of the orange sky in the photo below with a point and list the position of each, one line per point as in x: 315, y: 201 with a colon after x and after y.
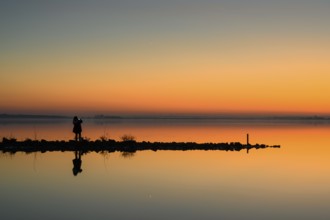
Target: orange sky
x: 166, y: 59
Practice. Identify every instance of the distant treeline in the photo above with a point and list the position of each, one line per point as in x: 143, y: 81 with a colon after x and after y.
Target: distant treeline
x: 175, y: 117
x: 25, y: 116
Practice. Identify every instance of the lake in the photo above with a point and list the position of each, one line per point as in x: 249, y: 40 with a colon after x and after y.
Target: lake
x: 291, y: 182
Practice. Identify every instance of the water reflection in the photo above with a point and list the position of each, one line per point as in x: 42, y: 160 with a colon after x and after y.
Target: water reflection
x: 127, y: 154
x: 287, y: 183
x: 77, y: 163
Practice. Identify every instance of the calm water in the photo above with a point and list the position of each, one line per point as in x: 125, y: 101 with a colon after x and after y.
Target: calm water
x: 292, y: 182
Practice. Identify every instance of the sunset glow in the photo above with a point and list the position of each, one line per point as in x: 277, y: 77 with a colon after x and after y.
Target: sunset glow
x: 155, y: 57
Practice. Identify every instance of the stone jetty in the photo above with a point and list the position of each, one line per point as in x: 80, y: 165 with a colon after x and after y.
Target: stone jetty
x: 30, y: 146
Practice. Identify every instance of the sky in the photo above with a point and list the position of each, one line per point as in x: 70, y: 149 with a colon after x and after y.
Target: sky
x: 166, y: 57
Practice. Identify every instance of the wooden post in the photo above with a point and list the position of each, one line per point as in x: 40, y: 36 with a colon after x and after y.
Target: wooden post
x: 247, y: 143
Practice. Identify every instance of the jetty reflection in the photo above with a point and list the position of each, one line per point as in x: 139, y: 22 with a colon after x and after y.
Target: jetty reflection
x: 127, y: 154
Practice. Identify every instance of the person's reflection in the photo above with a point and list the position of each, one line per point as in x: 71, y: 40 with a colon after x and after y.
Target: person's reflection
x: 77, y: 163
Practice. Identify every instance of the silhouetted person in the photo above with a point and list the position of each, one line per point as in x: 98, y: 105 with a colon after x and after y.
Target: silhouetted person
x: 77, y: 163
x: 77, y: 127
